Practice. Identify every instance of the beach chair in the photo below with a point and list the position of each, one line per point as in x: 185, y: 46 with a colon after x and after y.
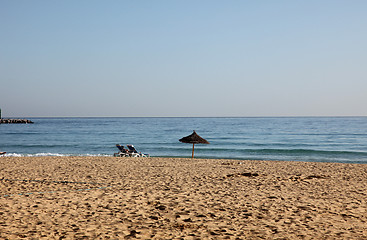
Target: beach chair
x: 135, y: 153
x: 132, y: 151
x: 123, y: 152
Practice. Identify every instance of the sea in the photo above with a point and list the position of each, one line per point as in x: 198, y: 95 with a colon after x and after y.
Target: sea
x: 311, y: 139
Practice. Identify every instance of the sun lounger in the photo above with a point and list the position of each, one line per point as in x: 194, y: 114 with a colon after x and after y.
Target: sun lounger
x: 130, y: 152
x: 135, y: 153
x: 123, y: 152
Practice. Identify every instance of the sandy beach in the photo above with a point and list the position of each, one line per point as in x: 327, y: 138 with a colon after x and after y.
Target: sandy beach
x: 165, y: 198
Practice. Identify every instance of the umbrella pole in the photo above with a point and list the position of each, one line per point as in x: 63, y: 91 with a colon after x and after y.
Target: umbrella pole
x: 193, y: 146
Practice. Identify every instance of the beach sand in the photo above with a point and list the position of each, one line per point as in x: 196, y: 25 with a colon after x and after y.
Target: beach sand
x: 166, y: 198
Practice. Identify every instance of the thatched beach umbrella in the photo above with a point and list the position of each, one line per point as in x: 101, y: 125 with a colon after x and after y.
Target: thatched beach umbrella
x: 194, y: 139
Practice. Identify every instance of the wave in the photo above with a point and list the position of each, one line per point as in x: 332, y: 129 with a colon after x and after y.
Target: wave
x: 285, y: 151
x: 53, y: 155
x: 302, y: 151
x: 220, y: 151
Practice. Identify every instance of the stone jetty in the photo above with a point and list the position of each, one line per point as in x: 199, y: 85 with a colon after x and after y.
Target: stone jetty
x: 8, y: 121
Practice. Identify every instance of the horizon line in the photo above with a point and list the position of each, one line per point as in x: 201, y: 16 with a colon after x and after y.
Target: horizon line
x: 300, y: 116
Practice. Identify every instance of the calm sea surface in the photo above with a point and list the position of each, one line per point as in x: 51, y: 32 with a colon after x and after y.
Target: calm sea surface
x: 320, y: 139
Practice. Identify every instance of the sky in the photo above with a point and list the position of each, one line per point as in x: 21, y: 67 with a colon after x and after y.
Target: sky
x: 183, y: 58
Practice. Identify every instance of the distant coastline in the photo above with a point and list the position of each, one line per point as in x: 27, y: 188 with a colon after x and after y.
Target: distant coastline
x: 11, y: 121
x: 184, y: 117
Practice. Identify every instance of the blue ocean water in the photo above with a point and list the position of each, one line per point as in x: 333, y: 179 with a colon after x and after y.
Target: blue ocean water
x: 319, y: 139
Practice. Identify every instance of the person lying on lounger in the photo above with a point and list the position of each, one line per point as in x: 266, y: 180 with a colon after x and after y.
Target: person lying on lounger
x: 122, y: 148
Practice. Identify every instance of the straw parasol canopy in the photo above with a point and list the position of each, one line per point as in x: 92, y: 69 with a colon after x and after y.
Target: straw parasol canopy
x: 194, y: 138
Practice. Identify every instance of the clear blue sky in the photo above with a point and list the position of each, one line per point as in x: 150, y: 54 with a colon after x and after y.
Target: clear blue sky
x: 183, y: 58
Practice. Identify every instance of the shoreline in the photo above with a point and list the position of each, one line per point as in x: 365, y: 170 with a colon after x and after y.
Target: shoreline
x: 172, y: 198
x: 9, y: 154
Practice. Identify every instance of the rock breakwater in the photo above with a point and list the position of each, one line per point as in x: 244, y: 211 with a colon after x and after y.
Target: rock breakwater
x: 9, y: 121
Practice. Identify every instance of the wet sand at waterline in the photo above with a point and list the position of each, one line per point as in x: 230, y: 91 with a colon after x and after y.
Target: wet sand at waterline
x: 177, y: 198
